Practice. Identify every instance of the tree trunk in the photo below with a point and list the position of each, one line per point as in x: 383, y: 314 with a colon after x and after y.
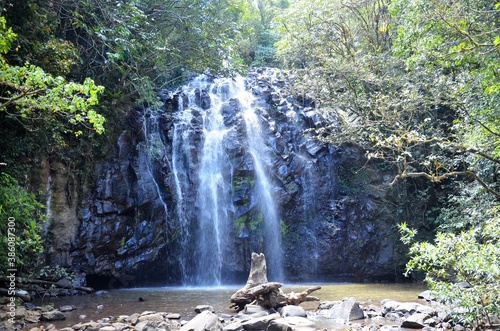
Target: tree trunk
x: 266, y: 294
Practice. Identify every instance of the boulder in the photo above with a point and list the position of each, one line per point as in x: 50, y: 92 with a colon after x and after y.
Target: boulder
x: 108, y: 328
x: 259, y: 323
x: 291, y: 310
x: 121, y: 326
x: 200, y: 308
x: 152, y: 326
x: 156, y: 317
x: 388, y: 306
x: 32, y: 316
x: 424, y: 309
x: 253, y: 309
x: 347, y: 310
x: 234, y: 326
x: 53, y: 315
x: 426, y: 295
x: 415, y: 321
x: 67, y: 308
x: 204, y: 321
x: 406, y: 308
x: 292, y: 323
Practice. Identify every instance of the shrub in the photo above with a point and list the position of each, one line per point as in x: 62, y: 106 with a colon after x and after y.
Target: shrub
x: 462, y: 269
x: 22, y: 216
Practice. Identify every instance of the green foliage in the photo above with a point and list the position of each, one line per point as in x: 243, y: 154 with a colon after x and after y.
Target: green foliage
x: 35, y: 24
x: 283, y: 229
x: 21, y: 220
x: 255, y: 43
x: 31, y: 96
x: 54, y: 273
x: 7, y: 36
x: 134, y: 47
x: 395, y: 87
x: 249, y: 221
x: 466, y: 209
x: 472, y: 258
x: 415, y: 83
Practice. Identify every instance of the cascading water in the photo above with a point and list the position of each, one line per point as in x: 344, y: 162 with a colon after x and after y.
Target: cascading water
x: 213, y: 195
x: 271, y: 222
x: 153, y: 153
x: 204, y: 142
x: 181, y: 155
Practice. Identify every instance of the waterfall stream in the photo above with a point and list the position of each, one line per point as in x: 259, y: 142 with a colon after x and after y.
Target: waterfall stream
x: 258, y: 149
x: 203, y: 146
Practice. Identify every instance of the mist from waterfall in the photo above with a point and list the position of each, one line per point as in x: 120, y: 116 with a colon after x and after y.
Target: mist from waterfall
x: 206, y: 244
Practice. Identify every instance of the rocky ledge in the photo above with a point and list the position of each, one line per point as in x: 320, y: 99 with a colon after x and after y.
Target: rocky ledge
x: 346, y: 314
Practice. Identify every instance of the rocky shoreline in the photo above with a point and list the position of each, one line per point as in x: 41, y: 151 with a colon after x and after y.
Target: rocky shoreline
x: 346, y: 314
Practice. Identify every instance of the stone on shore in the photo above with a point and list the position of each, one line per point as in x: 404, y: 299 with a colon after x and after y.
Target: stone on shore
x: 201, y: 308
x: 259, y: 323
x: 347, y: 310
x: 53, y: 315
x: 291, y: 310
x: 204, y: 321
x: 415, y: 321
x: 151, y: 325
x: 294, y: 323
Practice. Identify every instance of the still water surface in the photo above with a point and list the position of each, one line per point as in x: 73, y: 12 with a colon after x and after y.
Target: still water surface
x: 183, y: 300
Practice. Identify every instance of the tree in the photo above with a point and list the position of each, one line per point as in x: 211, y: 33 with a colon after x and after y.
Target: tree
x: 133, y: 48
x: 255, y: 42
x: 416, y: 84
x: 428, y: 107
x: 458, y: 46
x: 462, y: 269
x: 34, y: 98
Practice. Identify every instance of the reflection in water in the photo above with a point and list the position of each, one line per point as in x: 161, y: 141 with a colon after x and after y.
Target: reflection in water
x: 183, y: 300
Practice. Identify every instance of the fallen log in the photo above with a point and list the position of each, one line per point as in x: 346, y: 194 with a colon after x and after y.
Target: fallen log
x: 22, y: 280
x: 249, y: 295
x: 266, y: 294
x: 297, y: 298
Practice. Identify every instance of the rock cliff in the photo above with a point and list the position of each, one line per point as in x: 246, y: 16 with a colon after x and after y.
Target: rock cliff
x: 138, y: 226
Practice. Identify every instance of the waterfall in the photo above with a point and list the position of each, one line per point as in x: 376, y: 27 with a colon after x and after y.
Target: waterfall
x: 153, y: 154
x: 264, y: 189
x: 310, y: 197
x: 205, y: 140
x: 213, y: 195
x: 181, y: 146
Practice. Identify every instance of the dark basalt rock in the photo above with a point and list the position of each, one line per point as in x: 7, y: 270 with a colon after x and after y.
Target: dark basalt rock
x: 329, y: 199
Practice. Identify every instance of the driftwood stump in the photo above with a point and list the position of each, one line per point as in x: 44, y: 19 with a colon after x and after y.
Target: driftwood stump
x: 266, y: 294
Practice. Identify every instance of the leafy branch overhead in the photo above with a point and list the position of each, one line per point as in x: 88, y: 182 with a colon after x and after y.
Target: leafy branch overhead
x: 31, y: 96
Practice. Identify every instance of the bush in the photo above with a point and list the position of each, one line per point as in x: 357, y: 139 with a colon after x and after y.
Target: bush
x: 21, y: 220
x: 462, y: 269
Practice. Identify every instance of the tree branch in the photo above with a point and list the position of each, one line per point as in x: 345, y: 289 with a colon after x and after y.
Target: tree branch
x: 437, y: 179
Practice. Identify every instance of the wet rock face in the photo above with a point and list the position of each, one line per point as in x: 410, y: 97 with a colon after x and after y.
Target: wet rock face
x: 129, y: 229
